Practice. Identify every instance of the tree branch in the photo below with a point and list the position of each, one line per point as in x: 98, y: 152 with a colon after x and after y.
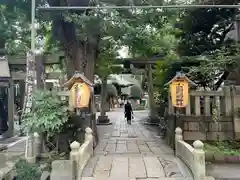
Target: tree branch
x: 220, y: 81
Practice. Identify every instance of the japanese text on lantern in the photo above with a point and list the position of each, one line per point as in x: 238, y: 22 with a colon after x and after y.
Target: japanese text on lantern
x: 179, y: 93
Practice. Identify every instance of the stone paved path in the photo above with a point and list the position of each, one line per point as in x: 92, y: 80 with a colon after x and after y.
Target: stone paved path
x: 224, y: 171
x: 132, y: 152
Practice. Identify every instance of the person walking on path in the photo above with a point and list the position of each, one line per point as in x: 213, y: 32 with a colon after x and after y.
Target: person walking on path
x: 128, y: 112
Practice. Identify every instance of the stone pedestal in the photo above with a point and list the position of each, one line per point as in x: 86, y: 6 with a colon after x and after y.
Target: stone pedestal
x: 103, y: 120
x: 29, y: 153
x: 31, y: 160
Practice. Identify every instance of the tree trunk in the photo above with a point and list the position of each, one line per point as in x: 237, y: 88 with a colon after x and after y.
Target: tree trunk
x: 75, y: 60
x: 82, y: 58
x: 152, y: 105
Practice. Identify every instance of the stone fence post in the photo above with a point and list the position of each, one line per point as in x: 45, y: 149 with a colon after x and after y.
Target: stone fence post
x: 199, y: 161
x: 37, y: 145
x: 89, y: 137
x: 74, y: 158
x: 30, y: 150
x: 178, y: 137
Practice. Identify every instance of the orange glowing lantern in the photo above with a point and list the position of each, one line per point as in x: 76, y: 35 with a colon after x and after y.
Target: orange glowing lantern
x: 80, y: 91
x: 179, y: 87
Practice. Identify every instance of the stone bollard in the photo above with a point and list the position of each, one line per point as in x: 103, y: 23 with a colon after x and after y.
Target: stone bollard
x: 29, y: 153
x: 37, y: 145
x: 74, y: 158
x: 89, y: 137
x: 178, y: 137
x: 199, y: 161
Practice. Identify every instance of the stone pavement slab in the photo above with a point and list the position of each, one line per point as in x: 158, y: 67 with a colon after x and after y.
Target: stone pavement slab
x: 137, y: 167
x: 131, y: 152
x: 119, y: 167
x: 61, y: 170
x: 152, y: 164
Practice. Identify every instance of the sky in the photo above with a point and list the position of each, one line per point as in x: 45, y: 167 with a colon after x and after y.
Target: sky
x: 123, y: 52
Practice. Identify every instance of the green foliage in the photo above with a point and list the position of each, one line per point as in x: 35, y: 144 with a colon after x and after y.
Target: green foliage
x: 111, y: 90
x: 106, y: 58
x: 11, y: 19
x: 15, y: 16
x: 224, y: 148
x: 136, y: 92
x: 26, y: 171
x: 148, y: 40
x: 205, y: 37
x: 49, y: 115
x: 204, y: 30
x: 212, y: 66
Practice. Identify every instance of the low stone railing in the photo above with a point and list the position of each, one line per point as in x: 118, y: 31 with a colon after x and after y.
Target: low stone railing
x: 80, y: 155
x: 193, y: 157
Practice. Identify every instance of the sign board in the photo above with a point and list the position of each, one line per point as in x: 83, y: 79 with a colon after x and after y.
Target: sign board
x: 179, y: 93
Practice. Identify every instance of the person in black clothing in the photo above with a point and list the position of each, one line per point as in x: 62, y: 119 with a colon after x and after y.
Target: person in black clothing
x: 128, y: 112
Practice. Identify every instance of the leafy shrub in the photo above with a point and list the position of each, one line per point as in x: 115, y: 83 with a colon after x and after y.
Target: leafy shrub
x: 136, y: 92
x: 26, y: 171
x: 221, y: 147
x: 48, y: 116
x: 111, y: 90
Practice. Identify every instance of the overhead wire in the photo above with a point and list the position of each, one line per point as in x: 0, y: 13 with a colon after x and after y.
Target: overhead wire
x: 183, y: 6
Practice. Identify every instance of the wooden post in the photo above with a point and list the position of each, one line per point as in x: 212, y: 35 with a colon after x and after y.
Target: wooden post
x: 10, y: 131
x: 170, y: 106
x: 22, y: 91
x: 28, y: 102
x: 188, y: 108
x: 29, y: 84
